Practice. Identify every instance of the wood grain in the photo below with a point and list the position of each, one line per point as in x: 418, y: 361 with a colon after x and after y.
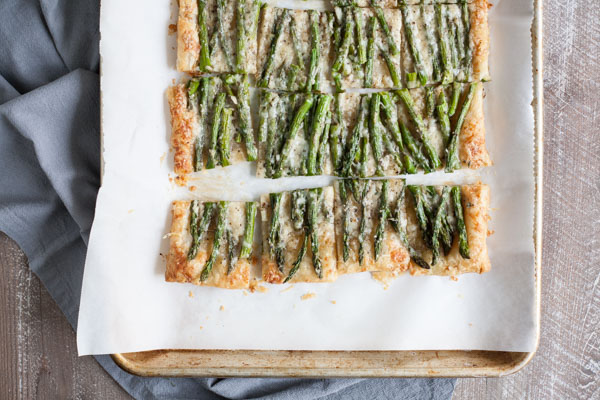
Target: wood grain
x: 37, y: 344
x: 567, y: 364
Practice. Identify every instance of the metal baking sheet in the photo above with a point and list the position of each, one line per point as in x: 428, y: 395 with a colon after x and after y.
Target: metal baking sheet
x: 431, y: 363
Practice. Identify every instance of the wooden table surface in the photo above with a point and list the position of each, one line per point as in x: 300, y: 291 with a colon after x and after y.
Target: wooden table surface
x: 38, y: 356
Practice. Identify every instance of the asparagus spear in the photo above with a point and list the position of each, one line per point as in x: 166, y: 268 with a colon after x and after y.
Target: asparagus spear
x: 452, y: 42
x: 225, y: 138
x: 255, y: 15
x: 324, y: 145
x: 431, y: 47
x: 240, y: 54
x: 397, y: 224
x: 392, y: 68
x: 204, y: 59
x: 452, y: 159
x: 414, y: 50
x: 360, y: 36
x: 442, y: 114
x: 263, y: 114
x: 318, y: 125
x: 352, y: 146
x: 466, y: 17
x: 232, y: 258
x: 345, y: 219
x: 455, y: 98
x: 431, y: 152
x: 281, y: 22
x: 386, y: 30
x: 444, y: 48
x: 221, y: 29
x: 202, y: 111
x: 437, y: 224
x: 334, y: 146
x: 246, y: 118
x: 394, y: 152
x: 296, y: 123
x: 312, y: 82
x: 463, y: 240
x: 420, y: 211
x: 375, y: 133
x: 221, y: 225
x: 363, y: 222
x: 194, y: 208
x: 271, y: 145
x: 314, y: 205
x: 384, y: 212
x: 429, y: 101
x: 299, y: 258
x: 446, y: 232
x: 364, y: 157
x: 216, y: 126
x: 372, y: 27
x: 298, y: 207
x: 413, y: 148
x: 296, y: 42
x: 248, y: 237
x: 192, y: 89
x: 275, y: 248
x: 342, y: 53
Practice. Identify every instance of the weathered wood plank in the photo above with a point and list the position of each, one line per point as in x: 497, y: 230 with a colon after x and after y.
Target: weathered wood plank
x: 567, y: 364
x: 37, y: 344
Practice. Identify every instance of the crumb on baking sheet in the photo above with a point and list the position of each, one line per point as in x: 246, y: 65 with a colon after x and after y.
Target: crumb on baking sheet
x: 245, y: 293
x: 172, y: 29
x: 201, y: 327
x: 454, y: 278
x: 162, y: 158
x: 192, y: 188
x: 191, y: 294
x: 308, y: 295
x: 255, y: 287
x: 222, y: 308
x: 130, y: 211
x: 333, y: 302
x: 287, y: 289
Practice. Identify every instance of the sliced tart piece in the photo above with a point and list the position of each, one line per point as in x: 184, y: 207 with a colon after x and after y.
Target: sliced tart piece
x: 211, y: 123
x: 213, y: 244
x: 370, y: 226
x: 217, y: 36
x: 298, y: 236
x: 294, y: 49
x: 448, y: 227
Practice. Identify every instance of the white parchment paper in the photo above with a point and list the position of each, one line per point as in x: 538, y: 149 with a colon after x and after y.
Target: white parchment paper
x: 126, y: 306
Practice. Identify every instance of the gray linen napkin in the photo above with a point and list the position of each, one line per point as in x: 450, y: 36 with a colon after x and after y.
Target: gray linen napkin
x: 49, y: 178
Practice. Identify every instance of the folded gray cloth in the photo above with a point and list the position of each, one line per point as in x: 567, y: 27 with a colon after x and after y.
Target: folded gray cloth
x: 49, y: 178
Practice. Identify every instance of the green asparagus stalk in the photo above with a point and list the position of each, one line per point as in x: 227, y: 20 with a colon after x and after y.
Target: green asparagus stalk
x: 360, y: 36
x: 225, y: 136
x: 278, y: 26
x: 442, y: 114
x: 372, y: 27
x: 364, y: 157
x: 352, y: 146
x: 194, y: 208
x: 446, y: 232
x: 436, y: 67
x: 386, y: 30
x: 443, y: 45
x: 431, y: 152
x: 363, y: 222
x: 263, y: 115
x: 248, y: 238
x: 452, y: 43
x: 452, y: 158
x: 192, y: 90
x: 414, y: 50
x: 392, y: 68
x: 397, y: 224
x: 466, y: 17
x: 225, y: 45
x: 275, y: 248
x: 323, y: 102
x: 314, y: 205
x: 202, y: 111
x: 413, y: 148
x: 220, y: 231
x: 345, y: 219
x: 315, y: 53
x: 232, y: 257
x: 296, y: 43
x: 324, y: 145
x: 240, y: 54
x: 246, y: 118
x: 200, y: 228
x: 298, y: 207
x: 272, y: 132
x: 456, y: 86
x: 257, y: 6
x: 384, y: 213
x: 216, y: 127
x: 420, y: 211
x: 342, y: 53
x: 299, y: 258
x: 429, y: 101
x: 334, y: 146
x: 393, y: 151
x: 437, y: 224
x: 296, y: 123
x: 204, y: 59
x: 463, y: 240
x: 375, y: 133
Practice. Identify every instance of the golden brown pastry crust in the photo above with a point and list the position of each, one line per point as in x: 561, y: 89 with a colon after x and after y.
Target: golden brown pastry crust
x: 184, y: 125
x: 180, y: 269
x: 476, y: 204
x: 480, y: 39
x: 293, y: 242
x: 472, y: 150
x: 188, y: 42
x: 394, y: 256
